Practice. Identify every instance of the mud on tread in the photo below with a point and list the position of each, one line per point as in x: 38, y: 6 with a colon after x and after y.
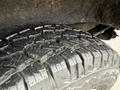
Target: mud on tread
x: 51, y: 55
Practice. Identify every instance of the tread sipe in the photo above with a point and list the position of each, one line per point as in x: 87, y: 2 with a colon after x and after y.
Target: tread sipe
x: 56, y: 57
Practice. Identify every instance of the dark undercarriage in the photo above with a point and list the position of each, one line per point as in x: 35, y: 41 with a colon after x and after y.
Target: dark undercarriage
x: 99, y: 17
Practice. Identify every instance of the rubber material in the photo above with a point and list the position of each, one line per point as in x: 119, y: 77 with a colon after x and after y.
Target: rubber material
x: 55, y: 57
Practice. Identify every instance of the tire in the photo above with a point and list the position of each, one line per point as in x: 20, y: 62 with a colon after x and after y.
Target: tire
x: 56, y: 58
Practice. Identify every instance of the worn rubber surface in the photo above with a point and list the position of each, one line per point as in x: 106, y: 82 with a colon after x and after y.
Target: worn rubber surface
x: 55, y: 57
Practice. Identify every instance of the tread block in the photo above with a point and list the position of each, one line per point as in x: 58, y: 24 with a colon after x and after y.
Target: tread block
x: 74, y: 63
x: 87, y: 59
x: 111, y: 57
x: 59, y: 71
x: 17, y: 45
x: 79, y: 66
x: 7, y: 62
x: 37, y: 78
x: 104, y: 53
x: 116, y: 60
x: 5, y: 73
x: 29, y: 32
x: 95, y: 41
x: 39, y: 54
x: 105, y: 56
x: 71, y: 64
x: 21, y: 61
x: 96, y: 55
x: 22, y: 41
x: 14, y: 83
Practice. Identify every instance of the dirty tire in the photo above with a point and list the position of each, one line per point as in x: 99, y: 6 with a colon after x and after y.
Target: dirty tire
x: 56, y: 57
